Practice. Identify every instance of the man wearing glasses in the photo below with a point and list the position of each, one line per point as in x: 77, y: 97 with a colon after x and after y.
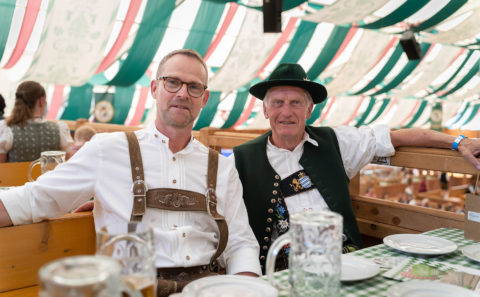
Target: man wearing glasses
x: 161, y: 176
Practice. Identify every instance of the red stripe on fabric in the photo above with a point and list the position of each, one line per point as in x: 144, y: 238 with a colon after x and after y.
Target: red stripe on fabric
x: 57, y: 99
x: 354, y: 113
x: 246, y: 113
x: 223, y: 29
x: 324, y: 114
x: 29, y: 19
x: 343, y: 46
x: 140, y: 108
x: 280, y: 42
x: 410, y: 115
x: 122, y: 36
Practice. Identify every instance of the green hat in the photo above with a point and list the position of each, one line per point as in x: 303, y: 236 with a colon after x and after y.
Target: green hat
x: 287, y: 74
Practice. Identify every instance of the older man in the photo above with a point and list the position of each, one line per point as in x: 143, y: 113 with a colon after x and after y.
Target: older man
x: 205, y: 223
x: 296, y: 167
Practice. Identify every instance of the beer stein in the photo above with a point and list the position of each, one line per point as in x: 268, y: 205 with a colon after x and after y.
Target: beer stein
x: 48, y: 161
x: 315, y: 239
x: 83, y: 276
x: 131, y: 244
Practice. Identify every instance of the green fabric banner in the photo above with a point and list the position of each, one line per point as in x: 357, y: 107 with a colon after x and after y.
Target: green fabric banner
x: 411, y: 65
x: 329, y: 50
x: 237, y: 109
x: 472, y: 114
x: 364, y: 116
x: 316, y: 112
x: 204, y: 26
x: 382, y: 108
x: 6, y: 14
x: 459, y: 115
x: 299, y: 42
x: 402, y: 12
x: 122, y: 102
x: 79, y: 102
x: 208, y: 112
x: 397, y: 53
x: 149, y: 35
x: 473, y: 71
x: 417, y: 114
x: 445, y: 84
x: 441, y: 15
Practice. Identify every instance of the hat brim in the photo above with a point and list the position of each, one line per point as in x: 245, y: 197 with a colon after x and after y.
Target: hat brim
x: 316, y: 90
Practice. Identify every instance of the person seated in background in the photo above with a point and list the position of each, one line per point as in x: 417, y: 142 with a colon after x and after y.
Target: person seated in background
x: 295, y: 167
x: 2, y: 107
x: 82, y: 135
x: 26, y: 133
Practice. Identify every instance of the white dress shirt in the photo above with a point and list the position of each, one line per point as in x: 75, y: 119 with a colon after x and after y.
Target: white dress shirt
x: 6, y: 135
x: 101, y: 168
x: 357, y: 146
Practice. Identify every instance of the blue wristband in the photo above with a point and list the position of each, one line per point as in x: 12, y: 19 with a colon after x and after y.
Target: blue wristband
x: 457, y: 141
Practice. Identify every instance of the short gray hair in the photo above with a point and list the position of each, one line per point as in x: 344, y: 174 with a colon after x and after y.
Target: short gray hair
x: 186, y: 52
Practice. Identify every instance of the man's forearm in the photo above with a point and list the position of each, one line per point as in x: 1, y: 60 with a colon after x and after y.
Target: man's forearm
x: 421, y: 137
x: 4, y: 217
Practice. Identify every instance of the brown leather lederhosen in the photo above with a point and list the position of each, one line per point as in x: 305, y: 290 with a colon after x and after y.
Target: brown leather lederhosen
x: 171, y: 280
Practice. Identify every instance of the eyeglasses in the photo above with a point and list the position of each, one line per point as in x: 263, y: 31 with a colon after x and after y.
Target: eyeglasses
x: 173, y: 85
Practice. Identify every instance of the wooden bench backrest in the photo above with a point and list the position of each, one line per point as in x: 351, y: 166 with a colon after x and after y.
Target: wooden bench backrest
x: 16, y: 173
x: 25, y: 248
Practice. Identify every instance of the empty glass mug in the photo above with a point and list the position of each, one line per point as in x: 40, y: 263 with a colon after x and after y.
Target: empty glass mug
x: 131, y: 244
x: 315, y: 239
x: 83, y: 276
x: 48, y: 161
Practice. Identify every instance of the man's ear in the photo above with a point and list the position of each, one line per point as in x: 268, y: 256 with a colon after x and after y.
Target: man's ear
x: 153, y: 87
x: 309, y: 110
x: 265, y: 110
x: 205, y: 98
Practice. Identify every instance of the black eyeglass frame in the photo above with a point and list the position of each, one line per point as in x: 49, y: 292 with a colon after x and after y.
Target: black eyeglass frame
x: 181, y: 85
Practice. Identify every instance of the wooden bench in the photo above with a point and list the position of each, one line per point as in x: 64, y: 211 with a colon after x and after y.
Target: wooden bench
x: 25, y: 248
x: 16, y: 173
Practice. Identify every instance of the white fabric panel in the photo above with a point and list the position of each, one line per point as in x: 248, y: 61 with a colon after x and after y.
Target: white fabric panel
x: 466, y: 29
x: 343, y: 109
x: 366, y: 53
x: 449, y: 110
x: 400, y: 112
x: 346, y: 11
x: 249, y: 53
x: 73, y: 40
x: 472, y: 88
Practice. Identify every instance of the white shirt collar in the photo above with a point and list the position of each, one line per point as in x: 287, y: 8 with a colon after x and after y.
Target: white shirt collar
x: 305, y: 138
x: 160, y: 138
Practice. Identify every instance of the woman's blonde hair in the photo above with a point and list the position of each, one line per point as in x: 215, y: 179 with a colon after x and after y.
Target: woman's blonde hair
x: 28, y: 92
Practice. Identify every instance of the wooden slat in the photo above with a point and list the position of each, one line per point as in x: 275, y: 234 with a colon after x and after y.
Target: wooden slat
x: 25, y: 248
x: 16, y: 173
x: 432, y: 159
x: 24, y: 292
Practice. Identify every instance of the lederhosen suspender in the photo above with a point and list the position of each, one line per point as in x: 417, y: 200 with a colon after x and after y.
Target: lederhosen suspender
x: 174, y: 199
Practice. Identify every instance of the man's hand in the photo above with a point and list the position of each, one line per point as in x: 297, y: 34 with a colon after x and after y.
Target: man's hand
x: 470, y: 150
x: 4, y: 217
x: 87, y: 206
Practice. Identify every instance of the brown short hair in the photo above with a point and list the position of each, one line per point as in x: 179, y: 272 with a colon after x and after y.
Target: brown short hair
x: 84, y: 133
x: 185, y: 52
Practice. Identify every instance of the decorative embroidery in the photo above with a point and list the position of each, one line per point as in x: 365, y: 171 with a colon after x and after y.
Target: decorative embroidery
x: 296, y: 183
x: 176, y: 200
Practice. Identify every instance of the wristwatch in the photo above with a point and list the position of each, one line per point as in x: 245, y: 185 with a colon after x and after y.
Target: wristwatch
x: 457, y: 141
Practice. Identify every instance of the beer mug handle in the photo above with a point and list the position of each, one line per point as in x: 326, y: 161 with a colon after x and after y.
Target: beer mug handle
x: 36, y: 162
x: 129, y: 291
x: 271, y: 258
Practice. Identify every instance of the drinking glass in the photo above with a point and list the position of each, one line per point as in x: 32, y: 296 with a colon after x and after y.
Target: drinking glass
x: 131, y: 244
x: 83, y: 276
x: 315, y: 239
x: 48, y: 161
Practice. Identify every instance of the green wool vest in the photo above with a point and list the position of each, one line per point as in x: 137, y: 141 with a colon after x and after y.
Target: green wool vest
x: 33, y: 139
x: 261, y: 184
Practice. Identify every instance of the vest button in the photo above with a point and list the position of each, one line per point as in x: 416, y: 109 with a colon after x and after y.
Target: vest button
x: 269, y: 220
x: 273, y: 200
x: 262, y: 258
x: 266, y: 239
x: 275, y: 184
x: 274, y: 192
x: 267, y: 229
x: 277, y: 176
x: 265, y: 247
x: 270, y: 210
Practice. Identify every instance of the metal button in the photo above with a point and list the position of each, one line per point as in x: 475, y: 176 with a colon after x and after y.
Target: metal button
x: 262, y: 258
x: 174, y: 159
x: 156, y: 135
x: 265, y: 247
x: 187, y: 257
x: 273, y: 200
x: 163, y: 141
x: 277, y: 176
x: 266, y: 239
x: 270, y: 210
x: 267, y: 229
x: 275, y: 184
x: 269, y: 220
x: 175, y: 226
x: 184, y: 234
x: 274, y: 192
x: 174, y: 181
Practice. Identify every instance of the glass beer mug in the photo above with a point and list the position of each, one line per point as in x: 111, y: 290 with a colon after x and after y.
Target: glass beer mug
x: 48, y: 161
x: 83, y: 276
x: 131, y: 244
x: 315, y: 239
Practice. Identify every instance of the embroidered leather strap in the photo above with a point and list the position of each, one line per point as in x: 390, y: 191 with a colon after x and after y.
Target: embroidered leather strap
x: 296, y: 183
x: 175, y: 199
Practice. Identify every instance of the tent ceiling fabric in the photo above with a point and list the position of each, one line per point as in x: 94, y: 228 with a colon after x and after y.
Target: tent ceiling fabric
x: 351, y: 46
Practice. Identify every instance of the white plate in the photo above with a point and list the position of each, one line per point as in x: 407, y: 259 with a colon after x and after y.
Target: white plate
x: 420, y: 244
x: 418, y: 288
x: 229, y: 286
x: 357, y: 268
x: 472, y: 252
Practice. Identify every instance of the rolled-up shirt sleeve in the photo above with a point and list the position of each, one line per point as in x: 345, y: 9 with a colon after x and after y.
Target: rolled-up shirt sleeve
x: 241, y: 253
x: 358, y: 146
